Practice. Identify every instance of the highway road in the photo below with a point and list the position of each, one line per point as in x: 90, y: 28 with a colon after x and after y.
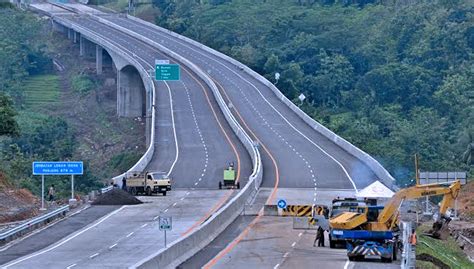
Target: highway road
x: 125, y: 235
x: 205, y: 142
x: 194, y: 144
x: 294, y: 155
x: 303, y: 156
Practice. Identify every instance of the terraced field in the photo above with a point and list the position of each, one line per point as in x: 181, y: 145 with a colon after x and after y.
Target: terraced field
x: 41, y: 90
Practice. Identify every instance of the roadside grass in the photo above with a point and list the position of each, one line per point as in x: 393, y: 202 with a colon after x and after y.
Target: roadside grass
x: 446, y: 251
x: 41, y: 91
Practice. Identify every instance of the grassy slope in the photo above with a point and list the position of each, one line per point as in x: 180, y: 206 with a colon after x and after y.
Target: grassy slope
x: 447, y: 251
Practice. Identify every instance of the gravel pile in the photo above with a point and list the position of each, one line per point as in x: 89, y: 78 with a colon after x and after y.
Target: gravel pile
x: 116, y: 197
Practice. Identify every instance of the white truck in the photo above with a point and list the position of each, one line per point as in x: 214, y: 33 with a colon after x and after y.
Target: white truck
x: 147, y: 183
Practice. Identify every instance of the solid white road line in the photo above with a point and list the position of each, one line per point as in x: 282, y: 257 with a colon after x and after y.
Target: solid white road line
x: 174, y: 130
x: 346, y: 266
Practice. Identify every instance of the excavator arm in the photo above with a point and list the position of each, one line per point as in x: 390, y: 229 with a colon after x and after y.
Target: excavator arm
x: 387, y: 218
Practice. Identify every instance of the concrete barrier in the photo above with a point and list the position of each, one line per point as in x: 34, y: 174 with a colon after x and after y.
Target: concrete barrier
x: 373, y: 164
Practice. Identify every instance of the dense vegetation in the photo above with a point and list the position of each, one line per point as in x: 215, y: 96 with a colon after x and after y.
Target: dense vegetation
x: 26, y: 134
x: 392, y: 77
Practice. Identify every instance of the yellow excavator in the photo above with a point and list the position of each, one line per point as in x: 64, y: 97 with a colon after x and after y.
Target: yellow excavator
x: 372, y: 229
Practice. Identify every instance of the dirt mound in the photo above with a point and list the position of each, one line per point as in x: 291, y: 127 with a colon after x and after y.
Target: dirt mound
x: 465, y: 201
x: 116, y: 197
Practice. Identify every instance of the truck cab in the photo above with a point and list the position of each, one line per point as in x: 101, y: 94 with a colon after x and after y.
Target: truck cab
x: 343, y: 205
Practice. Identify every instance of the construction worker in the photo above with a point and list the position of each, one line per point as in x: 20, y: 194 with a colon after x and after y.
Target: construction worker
x: 319, y: 237
x: 51, y: 193
x: 413, y: 237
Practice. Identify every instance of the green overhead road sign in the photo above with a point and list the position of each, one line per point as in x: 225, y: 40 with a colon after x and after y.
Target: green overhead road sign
x: 167, y: 72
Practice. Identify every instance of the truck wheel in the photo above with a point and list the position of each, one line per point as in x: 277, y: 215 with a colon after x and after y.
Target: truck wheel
x: 387, y: 260
x: 148, y: 191
x: 395, y: 250
x: 332, y: 244
x: 164, y: 193
x: 133, y: 191
x: 238, y: 185
x: 352, y: 258
x: 220, y: 185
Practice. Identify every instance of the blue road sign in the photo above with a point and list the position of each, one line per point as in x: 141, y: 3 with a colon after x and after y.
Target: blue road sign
x: 281, y: 203
x: 58, y: 168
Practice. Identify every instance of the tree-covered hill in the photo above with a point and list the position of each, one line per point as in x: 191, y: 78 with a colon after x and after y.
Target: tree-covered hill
x: 392, y: 77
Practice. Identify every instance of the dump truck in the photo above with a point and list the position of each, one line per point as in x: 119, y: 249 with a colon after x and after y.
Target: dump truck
x: 373, y: 230
x: 148, y: 183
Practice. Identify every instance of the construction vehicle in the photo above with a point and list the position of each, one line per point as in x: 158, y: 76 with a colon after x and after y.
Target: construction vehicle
x: 373, y: 230
x: 339, y: 206
x: 229, y: 178
x: 148, y: 183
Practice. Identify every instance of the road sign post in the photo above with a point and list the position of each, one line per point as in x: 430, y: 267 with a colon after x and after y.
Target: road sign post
x: 57, y: 169
x: 42, y: 193
x: 165, y: 223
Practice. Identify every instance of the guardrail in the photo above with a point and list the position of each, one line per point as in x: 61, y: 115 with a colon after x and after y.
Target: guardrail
x: 106, y: 189
x: 31, y: 224
x: 408, y: 257
x: 373, y: 164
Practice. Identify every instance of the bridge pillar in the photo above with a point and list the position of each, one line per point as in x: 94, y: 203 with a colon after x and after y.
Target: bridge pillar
x: 75, y: 37
x: 82, y: 46
x: 69, y: 33
x: 131, y: 93
x: 98, y: 59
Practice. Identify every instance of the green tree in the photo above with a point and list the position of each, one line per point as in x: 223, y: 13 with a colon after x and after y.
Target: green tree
x: 8, y: 124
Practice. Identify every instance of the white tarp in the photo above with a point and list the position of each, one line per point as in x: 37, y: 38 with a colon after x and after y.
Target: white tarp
x: 375, y: 190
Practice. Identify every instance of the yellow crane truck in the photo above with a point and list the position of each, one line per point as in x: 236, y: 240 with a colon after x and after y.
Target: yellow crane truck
x: 372, y: 230
x: 148, y: 183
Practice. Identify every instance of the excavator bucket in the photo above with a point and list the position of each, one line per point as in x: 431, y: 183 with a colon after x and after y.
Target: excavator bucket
x: 440, y: 229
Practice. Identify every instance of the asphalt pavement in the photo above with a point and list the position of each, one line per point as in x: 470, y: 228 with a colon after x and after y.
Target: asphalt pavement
x: 124, y: 236
x: 47, y: 236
